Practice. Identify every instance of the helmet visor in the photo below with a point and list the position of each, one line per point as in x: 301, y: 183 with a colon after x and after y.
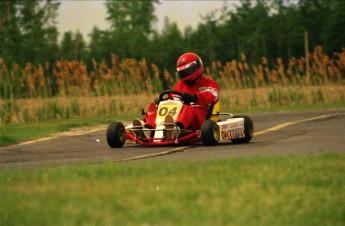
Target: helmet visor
x: 189, y: 70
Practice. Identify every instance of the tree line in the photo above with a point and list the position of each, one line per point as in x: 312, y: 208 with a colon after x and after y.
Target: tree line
x: 272, y: 29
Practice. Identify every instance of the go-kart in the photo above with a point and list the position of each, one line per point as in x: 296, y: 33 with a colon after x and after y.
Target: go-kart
x: 218, y: 127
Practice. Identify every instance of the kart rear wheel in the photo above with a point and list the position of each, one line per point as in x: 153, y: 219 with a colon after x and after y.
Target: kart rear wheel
x: 248, y: 130
x: 116, y: 135
x: 209, y: 133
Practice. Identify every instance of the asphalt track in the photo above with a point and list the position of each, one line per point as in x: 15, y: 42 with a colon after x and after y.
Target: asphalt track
x: 299, y: 133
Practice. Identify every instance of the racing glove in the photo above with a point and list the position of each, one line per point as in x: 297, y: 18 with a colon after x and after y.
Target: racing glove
x: 188, y: 98
x: 156, y: 101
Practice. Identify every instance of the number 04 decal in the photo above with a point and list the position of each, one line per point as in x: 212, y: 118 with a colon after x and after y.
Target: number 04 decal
x: 165, y: 111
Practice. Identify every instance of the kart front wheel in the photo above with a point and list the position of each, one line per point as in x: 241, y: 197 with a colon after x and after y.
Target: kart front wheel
x: 209, y: 133
x: 116, y: 135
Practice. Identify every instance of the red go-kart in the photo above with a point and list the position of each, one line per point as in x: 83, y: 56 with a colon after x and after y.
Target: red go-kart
x: 218, y: 127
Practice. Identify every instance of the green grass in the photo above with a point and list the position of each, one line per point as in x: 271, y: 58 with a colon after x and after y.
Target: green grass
x: 19, y: 132
x: 291, y: 190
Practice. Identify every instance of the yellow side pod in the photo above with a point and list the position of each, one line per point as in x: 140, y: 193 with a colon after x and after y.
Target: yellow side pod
x: 215, y: 112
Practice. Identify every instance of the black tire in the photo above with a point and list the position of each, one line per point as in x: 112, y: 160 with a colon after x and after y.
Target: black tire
x: 248, y: 130
x: 116, y: 135
x: 209, y: 133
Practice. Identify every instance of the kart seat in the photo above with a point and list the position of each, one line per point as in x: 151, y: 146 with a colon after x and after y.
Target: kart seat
x: 213, y: 112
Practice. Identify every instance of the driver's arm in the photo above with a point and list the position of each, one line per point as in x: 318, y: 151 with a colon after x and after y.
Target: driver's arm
x: 210, y: 95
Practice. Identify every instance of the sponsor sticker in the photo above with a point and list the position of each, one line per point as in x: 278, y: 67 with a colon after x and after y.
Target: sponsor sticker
x: 230, y: 135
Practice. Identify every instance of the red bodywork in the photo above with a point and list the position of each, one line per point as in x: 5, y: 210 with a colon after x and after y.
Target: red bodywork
x: 149, y: 118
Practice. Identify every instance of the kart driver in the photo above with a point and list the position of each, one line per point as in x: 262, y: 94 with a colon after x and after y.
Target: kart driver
x: 198, y: 94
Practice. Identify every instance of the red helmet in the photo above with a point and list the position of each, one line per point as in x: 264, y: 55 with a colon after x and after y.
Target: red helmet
x: 189, y: 67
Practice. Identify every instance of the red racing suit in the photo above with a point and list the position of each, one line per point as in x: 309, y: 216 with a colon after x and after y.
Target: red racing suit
x: 193, y: 115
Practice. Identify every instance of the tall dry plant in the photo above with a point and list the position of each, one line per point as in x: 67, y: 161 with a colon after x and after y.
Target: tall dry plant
x: 71, y: 81
x: 130, y: 76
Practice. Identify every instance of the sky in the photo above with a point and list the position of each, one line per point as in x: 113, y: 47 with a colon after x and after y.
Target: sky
x: 84, y: 15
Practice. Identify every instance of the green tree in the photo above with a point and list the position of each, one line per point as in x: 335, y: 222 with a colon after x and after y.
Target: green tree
x: 66, y: 46
x: 10, y: 34
x: 333, y: 35
x: 131, y: 15
x: 29, y: 31
x: 250, y: 24
x: 167, y: 46
x: 287, y: 31
x: 102, y: 44
x: 98, y: 45
x: 39, y: 34
x: 131, y: 25
x: 164, y: 50
x: 73, y: 46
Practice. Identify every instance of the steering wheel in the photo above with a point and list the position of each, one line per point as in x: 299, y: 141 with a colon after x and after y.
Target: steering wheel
x: 165, y: 92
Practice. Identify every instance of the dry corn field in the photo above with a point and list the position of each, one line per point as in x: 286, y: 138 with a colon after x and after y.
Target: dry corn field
x: 69, y: 89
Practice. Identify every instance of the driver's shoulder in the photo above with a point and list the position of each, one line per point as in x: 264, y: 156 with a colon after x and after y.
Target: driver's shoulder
x: 208, y: 82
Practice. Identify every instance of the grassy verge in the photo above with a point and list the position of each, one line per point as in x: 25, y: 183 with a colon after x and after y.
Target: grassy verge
x: 19, y: 132
x: 258, y: 99
x: 238, y: 191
